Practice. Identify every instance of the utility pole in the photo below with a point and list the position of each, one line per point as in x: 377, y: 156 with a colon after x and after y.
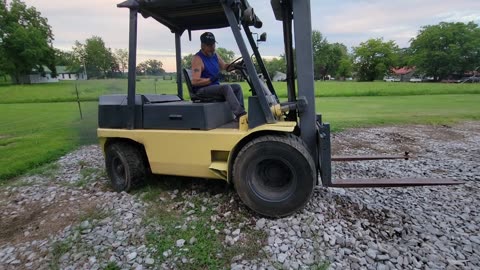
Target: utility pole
x: 84, y: 69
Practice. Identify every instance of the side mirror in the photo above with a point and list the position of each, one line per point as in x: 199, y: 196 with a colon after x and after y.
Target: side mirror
x: 263, y: 37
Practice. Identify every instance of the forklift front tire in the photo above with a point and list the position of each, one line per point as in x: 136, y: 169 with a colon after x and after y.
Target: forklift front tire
x: 125, y: 166
x: 274, y: 175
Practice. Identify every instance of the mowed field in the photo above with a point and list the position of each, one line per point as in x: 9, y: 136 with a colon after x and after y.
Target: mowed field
x: 65, y: 91
x: 39, y: 123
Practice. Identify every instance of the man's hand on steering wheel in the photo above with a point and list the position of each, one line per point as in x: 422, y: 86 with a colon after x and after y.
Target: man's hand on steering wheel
x: 236, y: 64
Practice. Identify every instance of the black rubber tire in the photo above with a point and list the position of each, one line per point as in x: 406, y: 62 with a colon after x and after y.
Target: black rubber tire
x: 274, y: 175
x: 125, y: 166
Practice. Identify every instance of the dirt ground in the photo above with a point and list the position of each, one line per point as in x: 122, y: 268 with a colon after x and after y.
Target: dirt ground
x: 36, y: 221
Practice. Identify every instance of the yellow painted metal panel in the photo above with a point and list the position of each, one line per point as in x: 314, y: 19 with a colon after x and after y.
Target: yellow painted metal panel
x: 220, y: 168
x: 187, y: 152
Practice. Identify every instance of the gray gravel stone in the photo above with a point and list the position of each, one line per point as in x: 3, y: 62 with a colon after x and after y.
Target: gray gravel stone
x: 375, y: 228
x: 149, y: 261
x: 132, y: 256
x: 180, y: 243
x: 282, y: 257
x: 372, y: 253
x: 260, y: 223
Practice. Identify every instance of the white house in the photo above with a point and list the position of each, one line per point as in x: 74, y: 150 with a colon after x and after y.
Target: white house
x: 63, y: 74
x: 279, y: 76
x: 36, y: 77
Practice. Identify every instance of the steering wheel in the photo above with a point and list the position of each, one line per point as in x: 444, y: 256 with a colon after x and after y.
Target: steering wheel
x: 236, y: 64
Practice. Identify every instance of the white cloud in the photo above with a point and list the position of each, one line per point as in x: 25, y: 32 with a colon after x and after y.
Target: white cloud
x: 397, y: 20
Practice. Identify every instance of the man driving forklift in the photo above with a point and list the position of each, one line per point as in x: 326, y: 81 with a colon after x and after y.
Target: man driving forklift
x: 206, y: 67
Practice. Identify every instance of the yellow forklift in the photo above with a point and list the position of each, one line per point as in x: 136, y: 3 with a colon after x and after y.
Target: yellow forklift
x: 274, y: 156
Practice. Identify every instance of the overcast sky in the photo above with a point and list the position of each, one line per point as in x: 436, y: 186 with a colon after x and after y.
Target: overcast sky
x: 349, y: 22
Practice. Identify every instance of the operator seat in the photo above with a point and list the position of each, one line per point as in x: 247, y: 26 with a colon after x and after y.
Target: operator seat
x: 187, y: 73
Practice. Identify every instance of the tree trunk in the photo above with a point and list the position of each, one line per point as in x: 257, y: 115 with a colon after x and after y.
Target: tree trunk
x: 16, y: 78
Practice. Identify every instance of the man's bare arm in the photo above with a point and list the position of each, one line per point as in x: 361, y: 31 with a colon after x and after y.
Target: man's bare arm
x: 197, y: 68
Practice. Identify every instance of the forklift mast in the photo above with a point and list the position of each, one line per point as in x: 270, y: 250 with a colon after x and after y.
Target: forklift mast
x: 286, y: 10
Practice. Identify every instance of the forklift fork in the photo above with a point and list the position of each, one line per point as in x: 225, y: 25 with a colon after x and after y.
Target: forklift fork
x: 325, y: 162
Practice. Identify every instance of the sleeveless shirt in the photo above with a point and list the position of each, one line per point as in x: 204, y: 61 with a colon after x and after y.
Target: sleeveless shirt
x: 211, y: 68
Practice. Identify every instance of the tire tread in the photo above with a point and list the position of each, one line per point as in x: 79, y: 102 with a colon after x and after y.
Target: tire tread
x: 288, y: 139
x: 135, y: 164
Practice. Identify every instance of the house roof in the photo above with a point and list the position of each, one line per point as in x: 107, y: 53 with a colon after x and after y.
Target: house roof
x: 402, y: 70
x: 62, y: 69
x: 45, y: 69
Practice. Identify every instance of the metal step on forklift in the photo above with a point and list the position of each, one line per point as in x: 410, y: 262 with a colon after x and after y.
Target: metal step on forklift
x: 274, y: 156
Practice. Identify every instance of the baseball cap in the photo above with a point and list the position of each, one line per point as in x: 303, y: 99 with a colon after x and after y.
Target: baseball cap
x: 207, y: 38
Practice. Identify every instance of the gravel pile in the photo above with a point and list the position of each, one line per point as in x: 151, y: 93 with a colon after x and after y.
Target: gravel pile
x: 72, y: 221
x: 390, y: 228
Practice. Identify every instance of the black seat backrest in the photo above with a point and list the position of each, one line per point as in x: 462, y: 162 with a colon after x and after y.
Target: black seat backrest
x: 187, y: 73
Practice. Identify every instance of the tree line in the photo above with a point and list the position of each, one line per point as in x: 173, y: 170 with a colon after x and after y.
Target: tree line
x: 99, y: 61
x: 26, y: 45
x: 437, y: 51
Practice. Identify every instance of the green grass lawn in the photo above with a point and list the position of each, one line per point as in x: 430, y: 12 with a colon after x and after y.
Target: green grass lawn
x: 90, y: 90
x: 347, y: 112
x: 36, y: 133
x: 33, y: 133
x: 380, y: 88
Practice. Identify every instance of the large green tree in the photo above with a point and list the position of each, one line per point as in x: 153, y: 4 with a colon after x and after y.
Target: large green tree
x: 99, y: 59
x: 275, y: 64
x: 374, y: 58
x: 404, y: 57
x: 187, y: 61
x: 225, y: 54
x: 319, y: 49
x: 150, y: 67
x: 446, y: 48
x: 327, y: 57
x: 68, y: 59
x: 121, y: 57
x: 345, y: 68
x: 63, y: 58
x: 25, y: 40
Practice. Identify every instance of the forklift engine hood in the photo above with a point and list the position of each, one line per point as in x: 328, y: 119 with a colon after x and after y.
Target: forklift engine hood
x: 181, y: 15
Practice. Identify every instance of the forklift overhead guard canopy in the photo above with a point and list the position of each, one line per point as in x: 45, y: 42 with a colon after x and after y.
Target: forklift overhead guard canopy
x: 278, y: 9
x: 181, y: 15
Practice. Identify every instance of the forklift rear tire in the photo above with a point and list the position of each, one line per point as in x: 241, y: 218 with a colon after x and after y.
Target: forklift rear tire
x: 125, y: 166
x: 274, y: 175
